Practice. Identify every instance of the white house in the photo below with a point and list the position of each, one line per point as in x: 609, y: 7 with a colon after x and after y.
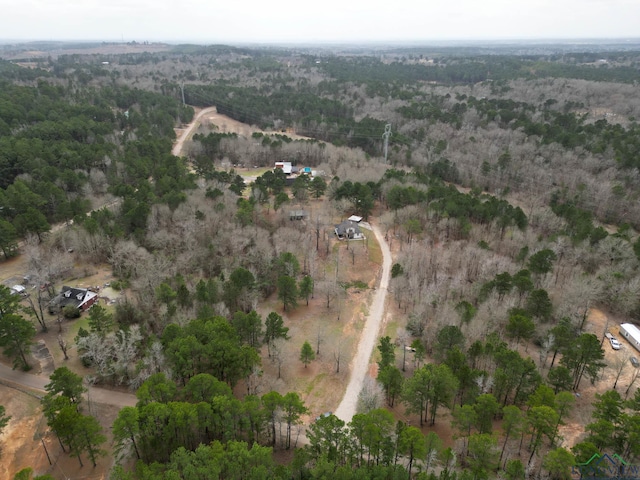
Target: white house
x: 631, y: 333
x: 285, y: 166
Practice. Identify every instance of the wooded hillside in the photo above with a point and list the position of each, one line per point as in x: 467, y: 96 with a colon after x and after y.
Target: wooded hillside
x: 509, y: 199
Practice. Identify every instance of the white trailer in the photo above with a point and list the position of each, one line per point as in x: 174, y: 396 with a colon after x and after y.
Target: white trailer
x: 631, y: 333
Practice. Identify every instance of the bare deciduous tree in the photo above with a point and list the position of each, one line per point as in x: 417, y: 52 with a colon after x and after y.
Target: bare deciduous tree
x: 619, y: 363
x: 63, y: 346
x: 371, y: 396
x: 277, y: 354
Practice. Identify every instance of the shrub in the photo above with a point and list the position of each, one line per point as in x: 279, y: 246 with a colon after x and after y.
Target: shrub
x: 70, y: 312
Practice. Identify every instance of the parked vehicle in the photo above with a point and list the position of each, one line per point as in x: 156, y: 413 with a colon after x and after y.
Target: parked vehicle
x: 615, y: 344
x: 634, y: 362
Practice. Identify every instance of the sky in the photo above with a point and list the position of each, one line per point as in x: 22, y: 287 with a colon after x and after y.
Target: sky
x: 323, y: 21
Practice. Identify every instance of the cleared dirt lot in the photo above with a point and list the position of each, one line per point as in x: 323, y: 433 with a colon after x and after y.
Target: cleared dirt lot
x: 23, y: 439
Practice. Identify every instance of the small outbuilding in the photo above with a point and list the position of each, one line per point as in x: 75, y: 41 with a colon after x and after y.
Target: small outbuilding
x: 298, y: 214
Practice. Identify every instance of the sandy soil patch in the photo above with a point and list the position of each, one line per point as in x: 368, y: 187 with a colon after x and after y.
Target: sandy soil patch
x: 27, y: 436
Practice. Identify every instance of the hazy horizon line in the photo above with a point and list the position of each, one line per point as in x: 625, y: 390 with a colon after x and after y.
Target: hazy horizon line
x: 309, y: 42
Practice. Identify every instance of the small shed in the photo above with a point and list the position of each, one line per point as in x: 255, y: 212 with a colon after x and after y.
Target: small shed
x: 355, y: 219
x: 298, y: 214
x: 631, y: 333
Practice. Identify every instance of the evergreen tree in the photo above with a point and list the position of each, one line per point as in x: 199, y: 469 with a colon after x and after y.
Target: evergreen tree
x: 8, y: 301
x: 274, y: 328
x: 318, y: 186
x: 559, y: 463
x: 392, y: 380
x: 584, y: 355
x: 387, y: 353
x: 411, y: 444
x: 126, y: 429
x: 249, y: 327
x: 306, y: 288
x: 16, y: 336
x: 483, y: 454
x: 100, y: 321
x: 520, y: 327
x: 64, y: 382
x: 288, y: 292
x: 307, y: 355
x: 8, y: 237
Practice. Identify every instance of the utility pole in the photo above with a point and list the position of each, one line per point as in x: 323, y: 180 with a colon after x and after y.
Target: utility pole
x: 385, y: 136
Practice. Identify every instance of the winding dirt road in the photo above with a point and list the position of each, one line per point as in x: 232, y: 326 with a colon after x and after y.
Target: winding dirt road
x: 21, y: 381
x: 186, y: 133
x: 25, y: 381
x: 360, y: 363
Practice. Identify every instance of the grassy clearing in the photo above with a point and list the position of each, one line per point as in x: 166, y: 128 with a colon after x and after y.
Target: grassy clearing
x: 313, y: 383
x: 338, y: 327
x: 375, y: 252
x: 391, y: 329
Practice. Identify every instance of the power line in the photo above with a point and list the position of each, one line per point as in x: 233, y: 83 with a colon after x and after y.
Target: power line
x: 385, y: 136
x: 257, y: 119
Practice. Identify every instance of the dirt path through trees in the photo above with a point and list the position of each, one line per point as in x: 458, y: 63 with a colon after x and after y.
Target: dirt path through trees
x: 186, y: 133
x: 22, y: 380
x: 360, y: 364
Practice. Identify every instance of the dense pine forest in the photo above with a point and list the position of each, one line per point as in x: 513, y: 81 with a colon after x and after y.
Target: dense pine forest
x: 509, y: 197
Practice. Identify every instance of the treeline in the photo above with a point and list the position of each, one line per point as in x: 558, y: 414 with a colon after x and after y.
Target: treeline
x: 78, y: 434
x: 453, y: 69
x: 12, y: 72
x: 446, y: 201
x: 331, y: 120
x: 202, y: 428
x: 348, y: 100
x: 567, y: 128
x: 311, y: 114
x: 204, y: 410
x: 43, y: 134
x: 59, y: 149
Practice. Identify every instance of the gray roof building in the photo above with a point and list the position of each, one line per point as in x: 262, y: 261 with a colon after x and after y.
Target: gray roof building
x: 348, y: 230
